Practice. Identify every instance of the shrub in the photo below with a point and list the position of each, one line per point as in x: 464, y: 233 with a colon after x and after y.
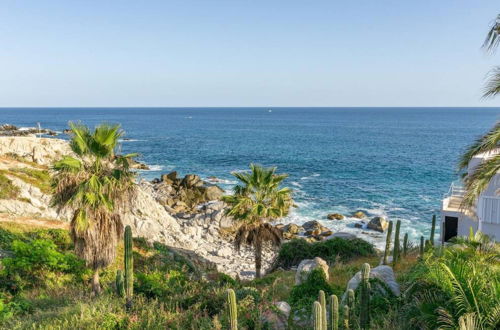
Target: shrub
x: 36, y: 263
x: 293, y: 252
x: 304, y: 294
x: 7, y: 189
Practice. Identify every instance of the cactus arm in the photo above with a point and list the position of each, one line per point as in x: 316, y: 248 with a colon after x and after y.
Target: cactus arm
x: 395, y: 255
x: 322, y: 301
x: 388, y: 243
x: 129, y: 267
x: 364, y: 315
x: 233, y: 309
x: 317, y: 316
x: 334, y: 312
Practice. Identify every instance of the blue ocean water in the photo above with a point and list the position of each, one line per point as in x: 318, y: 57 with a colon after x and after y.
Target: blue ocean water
x: 396, y: 162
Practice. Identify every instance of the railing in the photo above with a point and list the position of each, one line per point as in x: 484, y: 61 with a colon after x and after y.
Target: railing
x: 456, y: 189
x: 489, y: 209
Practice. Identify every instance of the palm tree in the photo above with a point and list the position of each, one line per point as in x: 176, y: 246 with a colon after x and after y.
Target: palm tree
x: 257, y: 200
x: 476, y: 182
x: 95, y: 185
x: 490, y: 44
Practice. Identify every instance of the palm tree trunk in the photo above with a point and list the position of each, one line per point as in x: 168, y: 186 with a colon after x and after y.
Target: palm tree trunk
x: 258, y: 256
x: 96, y: 285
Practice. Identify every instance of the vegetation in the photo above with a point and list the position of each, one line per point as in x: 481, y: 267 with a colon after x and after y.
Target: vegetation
x: 95, y: 185
x: 129, y: 267
x: 233, y: 309
x: 331, y: 250
x: 388, y: 242
x: 396, y: 251
x: 7, y: 189
x: 258, y: 198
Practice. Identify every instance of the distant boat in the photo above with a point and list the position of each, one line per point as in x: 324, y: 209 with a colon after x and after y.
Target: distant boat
x: 270, y: 110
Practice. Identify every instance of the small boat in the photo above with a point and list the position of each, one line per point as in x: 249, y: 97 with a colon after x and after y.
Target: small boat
x: 270, y: 110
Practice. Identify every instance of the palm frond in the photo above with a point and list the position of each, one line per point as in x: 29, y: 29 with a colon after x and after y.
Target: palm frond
x: 492, y: 39
x: 478, y: 181
x: 486, y: 143
x: 492, y: 86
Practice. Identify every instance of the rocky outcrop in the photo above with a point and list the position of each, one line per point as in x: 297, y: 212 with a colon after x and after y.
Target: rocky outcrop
x: 379, y: 224
x: 183, y: 195
x: 306, y: 266
x: 383, y: 273
x: 359, y: 215
x: 11, y: 130
x: 42, y: 151
x: 335, y: 216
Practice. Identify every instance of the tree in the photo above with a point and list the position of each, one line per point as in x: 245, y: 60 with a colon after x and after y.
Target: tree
x: 95, y: 185
x: 478, y: 181
x: 490, y: 44
x: 258, y: 199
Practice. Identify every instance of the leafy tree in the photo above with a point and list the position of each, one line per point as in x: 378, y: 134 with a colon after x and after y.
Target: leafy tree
x: 258, y: 199
x: 95, y: 185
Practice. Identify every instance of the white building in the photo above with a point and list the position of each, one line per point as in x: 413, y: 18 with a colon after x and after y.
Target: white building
x: 456, y: 221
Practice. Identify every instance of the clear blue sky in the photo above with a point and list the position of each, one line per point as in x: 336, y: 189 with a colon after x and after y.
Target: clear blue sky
x: 244, y: 53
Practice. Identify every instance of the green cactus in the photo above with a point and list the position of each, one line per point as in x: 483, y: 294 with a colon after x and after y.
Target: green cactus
x: 405, y: 245
x: 129, y: 267
x: 388, y: 243
x: 233, y: 309
x: 421, y: 246
x: 317, y: 316
x: 345, y: 321
x: 120, y: 285
x: 433, y: 229
x: 396, y: 252
x: 322, y: 301
x: 351, y: 300
x: 364, y: 313
x: 334, y: 312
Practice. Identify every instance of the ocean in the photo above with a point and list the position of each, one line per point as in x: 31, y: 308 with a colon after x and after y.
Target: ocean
x: 395, y: 162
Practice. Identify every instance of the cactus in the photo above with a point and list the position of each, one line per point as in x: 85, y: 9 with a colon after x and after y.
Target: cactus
x: 334, y: 312
x: 129, y: 267
x: 421, y: 246
x: 405, y: 245
x: 233, y: 309
x: 317, y: 316
x: 351, y: 300
x: 120, y: 285
x: 388, y: 243
x: 364, y: 313
x: 346, y: 317
x: 322, y: 301
x: 395, y: 254
x: 433, y: 229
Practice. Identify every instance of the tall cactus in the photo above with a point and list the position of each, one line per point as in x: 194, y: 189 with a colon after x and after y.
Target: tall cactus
x: 233, y: 309
x: 433, y: 229
x: 345, y: 321
x: 405, y: 245
x: 351, y: 300
x: 334, y: 312
x: 129, y: 268
x: 120, y: 285
x: 395, y: 254
x: 388, y: 243
x: 421, y: 246
x: 322, y: 301
x: 317, y: 316
x: 364, y: 311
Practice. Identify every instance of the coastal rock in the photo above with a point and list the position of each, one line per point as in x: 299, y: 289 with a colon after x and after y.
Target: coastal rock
x: 291, y: 230
x: 191, y: 180
x: 277, y: 320
x: 359, y: 225
x: 378, y: 224
x: 308, y: 265
x: 213, y: 193
x: 359, y: 215
x: 42, y: 151
x: 383, y: 273
x: 335, y: 216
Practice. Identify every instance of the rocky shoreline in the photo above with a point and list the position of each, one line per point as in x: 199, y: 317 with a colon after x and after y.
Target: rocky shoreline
x: 185, y: 213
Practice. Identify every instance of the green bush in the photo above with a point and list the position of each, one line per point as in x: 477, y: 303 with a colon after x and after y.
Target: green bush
x: 293, y: 252
x: 7, y: 189
x: 304, y: 294
x: 37, y: 263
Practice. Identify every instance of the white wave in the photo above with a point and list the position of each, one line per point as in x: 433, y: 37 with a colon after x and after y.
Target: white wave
x: 310, y: 176
x: 221, y: 181
x: 131, y: 140
x: 296, y: 184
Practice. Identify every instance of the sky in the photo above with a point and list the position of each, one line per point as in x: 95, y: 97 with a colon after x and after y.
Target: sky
x: 244, y: 53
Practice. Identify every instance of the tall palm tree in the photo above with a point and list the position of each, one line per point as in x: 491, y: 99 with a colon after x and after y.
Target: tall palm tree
x: 95, y: 185
x: 257, y: 200
x: 490, y: 44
